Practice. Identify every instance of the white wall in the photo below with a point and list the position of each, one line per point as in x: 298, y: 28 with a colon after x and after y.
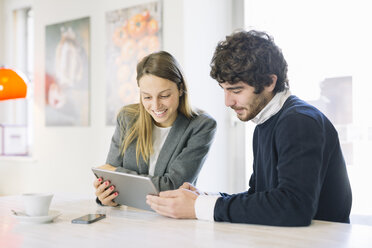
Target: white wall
x: 205, y: 24
x: 64, y: 155
x: 1, y: 31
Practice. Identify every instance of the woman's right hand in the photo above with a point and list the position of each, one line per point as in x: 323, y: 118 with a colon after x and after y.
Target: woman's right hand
x: 105, y: 193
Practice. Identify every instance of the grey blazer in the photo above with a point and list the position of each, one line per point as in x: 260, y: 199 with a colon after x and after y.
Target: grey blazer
x: 181, y: 157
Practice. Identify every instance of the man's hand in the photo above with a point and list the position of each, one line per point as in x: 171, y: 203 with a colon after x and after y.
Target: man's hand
x: 191, y: 187
x: 177, y: 204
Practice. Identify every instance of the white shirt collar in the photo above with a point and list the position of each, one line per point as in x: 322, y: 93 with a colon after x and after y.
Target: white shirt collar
x: 272, y: 107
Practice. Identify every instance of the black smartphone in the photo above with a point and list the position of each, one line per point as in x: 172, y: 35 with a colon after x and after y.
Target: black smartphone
x: 89, y: 218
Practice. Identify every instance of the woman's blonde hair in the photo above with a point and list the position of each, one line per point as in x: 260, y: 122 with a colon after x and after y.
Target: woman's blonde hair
x: 163, y: 65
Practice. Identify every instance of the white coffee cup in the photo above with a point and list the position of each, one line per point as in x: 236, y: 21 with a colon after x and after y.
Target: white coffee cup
x: 37, y: 204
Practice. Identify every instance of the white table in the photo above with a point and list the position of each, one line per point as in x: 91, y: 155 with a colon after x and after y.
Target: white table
x: 128, y: 227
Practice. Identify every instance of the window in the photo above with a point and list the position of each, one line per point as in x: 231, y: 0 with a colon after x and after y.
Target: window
x: 327, y: 47
x: 16, y: 117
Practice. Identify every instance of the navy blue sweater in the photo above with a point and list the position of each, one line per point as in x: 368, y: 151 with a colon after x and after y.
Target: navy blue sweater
x: 299, y: 173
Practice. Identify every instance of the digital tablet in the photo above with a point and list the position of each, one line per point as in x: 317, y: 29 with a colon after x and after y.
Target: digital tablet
x: 132, y: 189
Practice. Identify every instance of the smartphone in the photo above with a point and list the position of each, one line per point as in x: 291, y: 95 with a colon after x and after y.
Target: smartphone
x: 89, y: 218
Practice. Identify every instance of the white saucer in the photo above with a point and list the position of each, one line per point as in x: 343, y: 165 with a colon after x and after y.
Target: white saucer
x: 21, y: 216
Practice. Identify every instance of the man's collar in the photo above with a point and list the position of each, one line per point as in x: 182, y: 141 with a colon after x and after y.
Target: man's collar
x: 273, y: 107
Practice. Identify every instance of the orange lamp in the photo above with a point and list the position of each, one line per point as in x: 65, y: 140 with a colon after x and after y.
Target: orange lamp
x: 12, y: 85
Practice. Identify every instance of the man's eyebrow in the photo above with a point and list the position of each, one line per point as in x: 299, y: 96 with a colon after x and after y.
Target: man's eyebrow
x: 232, y: 87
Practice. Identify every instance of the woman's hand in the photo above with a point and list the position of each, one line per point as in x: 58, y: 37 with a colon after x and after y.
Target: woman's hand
x: 104, y: 192
x: 107, y: 167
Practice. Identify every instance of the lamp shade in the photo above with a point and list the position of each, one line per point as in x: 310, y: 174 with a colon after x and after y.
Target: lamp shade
x: 12, y: 85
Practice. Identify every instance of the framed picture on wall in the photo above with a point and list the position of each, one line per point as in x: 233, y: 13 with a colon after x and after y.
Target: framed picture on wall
x: 131, y: 34
x: 67, y: 80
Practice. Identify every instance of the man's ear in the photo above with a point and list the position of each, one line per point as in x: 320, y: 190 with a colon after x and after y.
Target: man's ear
x: 271, y: 87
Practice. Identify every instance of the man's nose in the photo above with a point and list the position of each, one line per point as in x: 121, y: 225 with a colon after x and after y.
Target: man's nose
x: 229, y: 100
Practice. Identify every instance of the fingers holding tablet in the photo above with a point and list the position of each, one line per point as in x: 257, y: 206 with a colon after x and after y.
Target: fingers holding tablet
x: 105, y: 192
x: 108, y: 201
x: 97, y: 182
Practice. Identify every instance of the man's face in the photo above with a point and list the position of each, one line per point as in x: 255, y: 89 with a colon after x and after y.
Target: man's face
x: 241, y: 98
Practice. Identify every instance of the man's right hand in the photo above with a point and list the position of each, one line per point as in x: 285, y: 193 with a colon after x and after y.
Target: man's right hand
x: 177, y: 203
x: 191, y: 187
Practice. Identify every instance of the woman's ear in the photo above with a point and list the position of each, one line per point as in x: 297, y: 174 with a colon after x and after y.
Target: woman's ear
x: 181, y: 91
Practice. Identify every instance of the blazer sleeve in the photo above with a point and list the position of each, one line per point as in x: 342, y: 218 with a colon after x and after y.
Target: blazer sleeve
x: 294, y: 200
x: 186, y: 165
x: 114, y: 156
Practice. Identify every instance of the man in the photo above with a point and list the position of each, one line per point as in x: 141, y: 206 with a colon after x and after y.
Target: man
x: 299, y: 173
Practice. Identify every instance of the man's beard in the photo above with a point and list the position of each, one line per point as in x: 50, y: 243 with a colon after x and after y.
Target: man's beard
x: 255, y: 107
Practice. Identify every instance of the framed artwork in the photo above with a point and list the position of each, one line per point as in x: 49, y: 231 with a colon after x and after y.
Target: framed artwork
x: 67, y: 49
x: 132, y: 33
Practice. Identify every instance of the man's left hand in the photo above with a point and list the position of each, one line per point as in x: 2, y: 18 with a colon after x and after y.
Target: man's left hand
x: 177, y: 204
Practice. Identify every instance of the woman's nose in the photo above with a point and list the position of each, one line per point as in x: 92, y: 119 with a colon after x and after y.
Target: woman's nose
x: 156, y: 104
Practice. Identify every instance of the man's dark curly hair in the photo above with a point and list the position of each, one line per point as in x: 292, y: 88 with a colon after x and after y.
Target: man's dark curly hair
x: 250, y: 57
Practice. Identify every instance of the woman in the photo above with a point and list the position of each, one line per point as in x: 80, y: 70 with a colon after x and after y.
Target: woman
x: 161, y: 137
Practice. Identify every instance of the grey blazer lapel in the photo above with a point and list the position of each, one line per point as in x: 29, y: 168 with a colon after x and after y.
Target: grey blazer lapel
x: 143, y: 166
x: 170, y: 144
x: 131, y: 162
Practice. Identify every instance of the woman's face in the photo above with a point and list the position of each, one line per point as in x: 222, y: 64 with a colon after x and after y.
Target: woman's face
x: 160, y: 97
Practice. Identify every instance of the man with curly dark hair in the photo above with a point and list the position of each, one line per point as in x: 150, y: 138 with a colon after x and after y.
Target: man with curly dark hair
x: 299, y: 172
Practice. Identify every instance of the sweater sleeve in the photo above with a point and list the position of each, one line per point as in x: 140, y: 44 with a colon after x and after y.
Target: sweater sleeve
x: 293, y: 200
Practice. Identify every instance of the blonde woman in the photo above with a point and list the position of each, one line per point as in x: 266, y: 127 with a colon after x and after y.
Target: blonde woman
x: 161, y: 137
